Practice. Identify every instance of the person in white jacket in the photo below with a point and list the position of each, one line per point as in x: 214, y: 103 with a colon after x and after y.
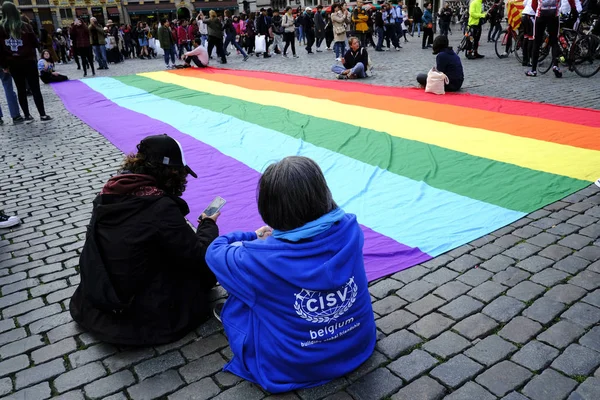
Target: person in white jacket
x: 202, y: 29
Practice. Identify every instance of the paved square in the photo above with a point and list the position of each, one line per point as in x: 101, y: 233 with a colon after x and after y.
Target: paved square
x: 475, y: 321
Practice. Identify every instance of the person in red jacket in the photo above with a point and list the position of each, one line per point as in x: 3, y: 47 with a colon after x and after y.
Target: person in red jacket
x: 80, y: 34
x: 546, y: 17
x: 183, y: 39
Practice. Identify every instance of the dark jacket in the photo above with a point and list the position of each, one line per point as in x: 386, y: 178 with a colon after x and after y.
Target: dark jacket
x: 308, y: 23
x: 446, y: 15
x: 379, y: 19
x: 263, y: 22
x: 319, y: 25
x: 215, y: 28
x: 144, y: 280
x: 417, y: 15
x: 19, y: 52
x: 449, y: 63
x: 165, y: 37
x: 277, y: 21
x: 352, y: 58
x: 97, y: 35
x: 80, y: 35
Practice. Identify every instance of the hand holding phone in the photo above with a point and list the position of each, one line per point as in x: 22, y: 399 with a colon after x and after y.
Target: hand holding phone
x: 213, y: 209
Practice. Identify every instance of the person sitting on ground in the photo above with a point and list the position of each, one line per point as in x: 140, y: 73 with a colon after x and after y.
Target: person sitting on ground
x: 354, y: 62
x: 46, y: 68
x: 198, y: 55
x: 448, y: 62
x: 144, y: 280
x: 299, y: 313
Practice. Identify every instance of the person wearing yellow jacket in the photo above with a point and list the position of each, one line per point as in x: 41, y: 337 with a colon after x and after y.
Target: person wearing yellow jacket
x: 360, y: 18
x: 476, y: 17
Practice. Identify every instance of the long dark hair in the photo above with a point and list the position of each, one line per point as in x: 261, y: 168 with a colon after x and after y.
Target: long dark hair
x: 11, y: 20
x: 173, y: 180
x: 292, y: 193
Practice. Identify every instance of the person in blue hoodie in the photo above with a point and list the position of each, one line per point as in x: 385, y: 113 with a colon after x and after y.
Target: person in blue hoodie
x: 299, y: 312
x: 448, y: 62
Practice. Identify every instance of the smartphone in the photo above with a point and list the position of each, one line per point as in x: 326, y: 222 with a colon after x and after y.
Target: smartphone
x: 214, y: 207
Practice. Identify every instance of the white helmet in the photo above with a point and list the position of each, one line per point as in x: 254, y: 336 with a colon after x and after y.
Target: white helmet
x: 59, y: 30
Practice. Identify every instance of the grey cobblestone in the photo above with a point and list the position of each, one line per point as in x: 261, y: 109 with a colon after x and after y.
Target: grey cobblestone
x: 204, y: 347
x: 566, y: 294
x: 592, y: 298
x: 451, y: 290
x: 590, y: 253
x: 577, y: 360
x: 395, y: 321
x: 549, y: 277
x: 555, y: 252
x: 550, y: 385
x: 13, y: 365
x: 456, y: 371
x: 475, y: 277
x: 38, y: 392
x: 572, y: 264
x: 39, y: 373
x: 46, y: 324
x: 413, y: 365
x: 388, y: 305
x: 415, y: 290
x: 543, y: 239
x: 588, y: 390
x: 592, y: 339
x: 382, y: 288
x: 587, y: 280
x: 40, y: 313
x: 17, y: 286
x: 411, y: 274
x: 475, y: 326
x: 490, y: 350
x: 470, y: 391
x: 487, y: 291
x: 425, y: 305
x: 21, y: 346
x: 110, y: 384
x: 377, y: 384
x: 503, y: 308
x: 510, y: 276
x: 544, y: 310
x: 202, y: 367
x: 54, y: 350
x: 461, y: 307
x: 431, y: 325
x: 157, y: 386
x: 157, y: 365
x: 446, y: 345
x: 423, y: 388
x: 561, y: 334
x: 464, y: 263
x: 580, y: 313
x: 13, y: 335
x: 526, y: 291
x: 488, y: 251
x: 535, y: 355
x: 205, y: 389
x: 79, y: 377
x: 91, y: 354
x: 440, y: 276
x: 503, y: 377
x: 397, y: 343
x: 128, y: 358
x: 520, y: 330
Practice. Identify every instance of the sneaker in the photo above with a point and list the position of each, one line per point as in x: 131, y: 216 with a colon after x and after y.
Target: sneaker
x: 45, y: 118
x: 504, y: 55
x: 557, y: 72
x: 168, y: 66
x: 7, y: 222
x: 218, y: 309
x: 319, y: 51
x: 342, y: 76
x: 29, y: 119
x: 296, y: 56
x: 479, y: 56
x: 531, y: 73
x: 245, y: 58
x: 284, y: 56
x: 338, y: 59
x: 18, y: 120
x: 597, y: 183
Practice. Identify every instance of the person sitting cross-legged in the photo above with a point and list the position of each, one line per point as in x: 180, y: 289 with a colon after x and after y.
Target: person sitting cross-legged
x: 448, y: 62
x: 198, y: 55
x: 299, y: 312
x: 354, y: 63
x: 144, y: 279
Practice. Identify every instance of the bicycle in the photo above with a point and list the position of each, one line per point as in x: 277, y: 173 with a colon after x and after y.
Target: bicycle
x: 466, y: 43
x: 587, y: 51
x: 509, y: 42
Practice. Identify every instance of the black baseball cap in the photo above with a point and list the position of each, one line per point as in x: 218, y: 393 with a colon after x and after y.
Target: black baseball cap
x: 164, y: 149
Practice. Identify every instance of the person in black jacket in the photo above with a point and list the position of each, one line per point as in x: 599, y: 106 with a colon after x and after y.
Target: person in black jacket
x: 355, y: 62
x: 308, y: 23
x: 144, y: 280
x: 448, y: 62
x: 263, y: 23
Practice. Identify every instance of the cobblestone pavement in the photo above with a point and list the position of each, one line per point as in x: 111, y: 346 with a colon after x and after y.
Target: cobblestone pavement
x: 513, y: 315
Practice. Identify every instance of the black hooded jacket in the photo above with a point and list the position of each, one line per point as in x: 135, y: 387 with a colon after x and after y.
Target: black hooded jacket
x: 144, y: 280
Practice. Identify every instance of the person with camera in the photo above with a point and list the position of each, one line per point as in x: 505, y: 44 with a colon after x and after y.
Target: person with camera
x: 144, y: 279
x: 299, y: 312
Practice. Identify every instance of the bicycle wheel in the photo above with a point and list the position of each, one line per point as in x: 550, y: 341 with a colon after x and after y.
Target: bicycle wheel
x: 519, y: 48
x: 500, y: 44
x: 545, y: 49
x: 585, y: 60
x: 463, y: 44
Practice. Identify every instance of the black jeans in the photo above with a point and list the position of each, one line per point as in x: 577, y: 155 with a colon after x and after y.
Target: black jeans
x: 427, y: 37
x: 218, y: 43
x: 444, y: 28
x: 450, y: 87
x: 87, y: 58
x: 476, y: 34
x: 310, y: 40
x: 541, y: 24
x: 289, y: 38
x: 26, y: 73
x: 195, y: 60
x: 48, y: 77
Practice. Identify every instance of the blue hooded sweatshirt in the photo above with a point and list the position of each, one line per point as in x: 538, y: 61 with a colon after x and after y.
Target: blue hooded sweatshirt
x: 298, y: 314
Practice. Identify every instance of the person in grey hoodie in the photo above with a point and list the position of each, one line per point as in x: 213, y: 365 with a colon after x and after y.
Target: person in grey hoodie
x: 215, y: 35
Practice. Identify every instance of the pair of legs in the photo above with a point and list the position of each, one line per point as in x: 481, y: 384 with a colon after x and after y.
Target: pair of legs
x: 195, y: 60
x: 476, y: 35
x: 358, y: 71
x: 450, y: 87
x: 48, y: 77
x: 340, y: 49
x: 380, y: 36
x: 169, y: 54
x: 218, y: 43
x: 310, y: 40
x: 288, y: 37
x: 390, y: 36
x: 427, y: 37
x: 444, y: 28
x: 418, y: 26
x: 11, y: 97
x: 541, y: 24
x: 231, y: 39
x: 100, y: 54
x: 87, y: 59
x: 494, y: 32
x: 26, y: 73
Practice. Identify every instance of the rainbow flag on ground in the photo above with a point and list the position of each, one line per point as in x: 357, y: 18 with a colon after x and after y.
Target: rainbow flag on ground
x: 423, y: 173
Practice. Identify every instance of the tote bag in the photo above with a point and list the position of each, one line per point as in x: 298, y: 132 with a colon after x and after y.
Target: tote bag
x: 436, y: 81
x: 260, y: 44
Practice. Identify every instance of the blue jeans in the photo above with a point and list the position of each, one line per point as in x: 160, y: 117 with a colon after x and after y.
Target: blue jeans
x: 231, y: 39
x: 418, y: 26
x: 11, y: 97
x: 339, y: 48
x: 380, y: 36
x: 358, y: 70
x: 204, y: 38
x: 301, y: 36
x: 169, y: 53
x: 100, y: 54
